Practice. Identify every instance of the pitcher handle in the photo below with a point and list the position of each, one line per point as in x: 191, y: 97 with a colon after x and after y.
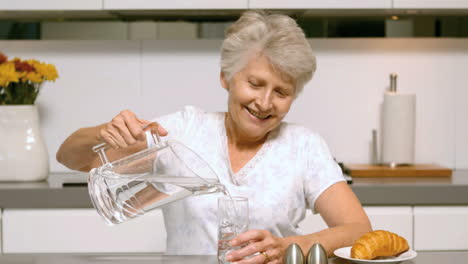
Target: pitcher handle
x: 100, y: 149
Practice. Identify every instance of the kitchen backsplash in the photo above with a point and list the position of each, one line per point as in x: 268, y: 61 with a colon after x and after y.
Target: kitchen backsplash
x: 342, y: 102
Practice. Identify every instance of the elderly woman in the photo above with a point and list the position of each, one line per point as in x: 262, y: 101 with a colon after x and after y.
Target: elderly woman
x: 282, y: 168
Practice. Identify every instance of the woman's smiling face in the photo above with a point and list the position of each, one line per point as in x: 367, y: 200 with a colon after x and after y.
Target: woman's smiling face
x: 260, y: 96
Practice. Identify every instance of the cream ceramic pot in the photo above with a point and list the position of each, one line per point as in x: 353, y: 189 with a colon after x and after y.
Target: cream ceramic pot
x: 23, y: 153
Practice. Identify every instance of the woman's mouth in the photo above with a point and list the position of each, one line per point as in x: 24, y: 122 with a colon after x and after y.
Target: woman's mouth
x: 257, y: 115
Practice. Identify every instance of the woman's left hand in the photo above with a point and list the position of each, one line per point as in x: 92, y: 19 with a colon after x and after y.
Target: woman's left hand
x: 270, y: 248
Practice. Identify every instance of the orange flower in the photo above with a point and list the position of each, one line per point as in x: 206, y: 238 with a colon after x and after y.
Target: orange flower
x: 22, y: 66
x: 3, y: 58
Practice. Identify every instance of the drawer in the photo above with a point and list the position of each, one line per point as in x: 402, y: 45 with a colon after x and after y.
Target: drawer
x: 397, y: 219
x: 312, y: 223
x: 79, y: 231
x: 441, y: 227
x: 1, y: 228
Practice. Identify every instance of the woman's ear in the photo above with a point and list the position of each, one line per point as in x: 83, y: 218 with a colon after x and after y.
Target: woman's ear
x: 223, y: 80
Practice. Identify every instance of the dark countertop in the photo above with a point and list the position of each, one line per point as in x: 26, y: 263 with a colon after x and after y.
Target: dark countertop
x: 413, y: 190
x: 455, y: 257
x: 67, y: 190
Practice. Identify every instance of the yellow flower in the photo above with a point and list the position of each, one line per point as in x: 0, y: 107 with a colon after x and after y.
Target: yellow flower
x: 8, y: 74
x: 33, y: 77
x: 47, y: 71
x: 28, y: 74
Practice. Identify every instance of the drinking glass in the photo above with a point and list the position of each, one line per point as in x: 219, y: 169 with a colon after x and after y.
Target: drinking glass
x: 233, y: 219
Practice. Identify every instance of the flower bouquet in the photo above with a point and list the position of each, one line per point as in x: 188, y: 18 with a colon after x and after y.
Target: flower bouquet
x: 21, y: 80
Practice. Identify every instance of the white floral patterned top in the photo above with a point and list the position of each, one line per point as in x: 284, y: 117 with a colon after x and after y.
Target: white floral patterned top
x: 286, y: 177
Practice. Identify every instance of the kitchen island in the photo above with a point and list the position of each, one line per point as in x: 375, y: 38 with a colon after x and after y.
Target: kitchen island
x: 56, y: 216
x: 455, y: 257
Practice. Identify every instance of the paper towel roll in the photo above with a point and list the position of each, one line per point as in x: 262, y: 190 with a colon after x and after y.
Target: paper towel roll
x: 398, y: 131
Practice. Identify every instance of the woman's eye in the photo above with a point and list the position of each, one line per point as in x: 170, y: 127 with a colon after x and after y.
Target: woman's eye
x: 254, y: 84
x: 281, y: 93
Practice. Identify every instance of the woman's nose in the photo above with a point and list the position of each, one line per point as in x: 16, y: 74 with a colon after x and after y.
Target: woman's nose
x: 264, y: 101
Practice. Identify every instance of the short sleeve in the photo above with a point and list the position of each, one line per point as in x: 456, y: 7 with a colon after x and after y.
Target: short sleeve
x: 180, y: 123
x: 322, y: 170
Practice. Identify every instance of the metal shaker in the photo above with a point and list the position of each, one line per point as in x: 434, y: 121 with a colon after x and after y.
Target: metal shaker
x: 317, y: 255
x: 294, y: 255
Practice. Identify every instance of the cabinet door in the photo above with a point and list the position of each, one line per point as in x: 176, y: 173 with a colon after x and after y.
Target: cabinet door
x: 429, y: 4
x: 79, y: 231
x: 174, y: 4
x: 34, y: 5
x: 441, y: 228
x: 336, y: 4
x: 312, y: 223
x: 1, y: 228
x: 397, y: 219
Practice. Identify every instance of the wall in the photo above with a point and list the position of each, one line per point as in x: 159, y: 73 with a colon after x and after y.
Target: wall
x: 342, y: 102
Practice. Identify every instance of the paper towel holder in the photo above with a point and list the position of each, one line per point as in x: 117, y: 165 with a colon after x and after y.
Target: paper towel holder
x: 375, y: 154
x: 403, y: 154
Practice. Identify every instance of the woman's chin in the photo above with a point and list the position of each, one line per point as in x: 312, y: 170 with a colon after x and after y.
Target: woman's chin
x: 256, y: 133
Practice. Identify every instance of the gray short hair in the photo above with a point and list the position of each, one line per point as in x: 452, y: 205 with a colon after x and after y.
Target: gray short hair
x: 274, y: 35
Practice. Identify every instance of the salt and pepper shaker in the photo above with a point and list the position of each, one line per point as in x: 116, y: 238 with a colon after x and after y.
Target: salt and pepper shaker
x: 316, y: 255
x: 294, y: 255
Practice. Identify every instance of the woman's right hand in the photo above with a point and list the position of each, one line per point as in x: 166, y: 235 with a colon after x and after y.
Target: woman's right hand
x: 126, y: 129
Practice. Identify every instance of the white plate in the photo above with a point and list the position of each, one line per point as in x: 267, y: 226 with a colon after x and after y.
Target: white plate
x: 346, y: 254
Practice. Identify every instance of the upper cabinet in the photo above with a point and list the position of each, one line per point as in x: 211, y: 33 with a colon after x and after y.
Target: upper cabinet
x: 23, y: 8
x: 318, y: 4
x: 430, y: 4
x: 9, y: 5
x: 174, y: 4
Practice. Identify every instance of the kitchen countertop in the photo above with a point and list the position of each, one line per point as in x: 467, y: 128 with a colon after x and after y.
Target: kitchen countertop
x: 371, y: 191
x: 455, y: 257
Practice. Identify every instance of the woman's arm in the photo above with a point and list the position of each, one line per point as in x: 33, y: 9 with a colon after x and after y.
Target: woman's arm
x: 343, y: 213
x: 124, y: 135
x: 340, y: 209
x: 76, y: 151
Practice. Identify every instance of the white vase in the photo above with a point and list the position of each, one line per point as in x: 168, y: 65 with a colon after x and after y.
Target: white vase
x: 23, y: 154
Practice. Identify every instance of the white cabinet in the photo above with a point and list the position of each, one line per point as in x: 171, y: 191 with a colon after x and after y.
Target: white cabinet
x: 50, y: 5
x: 37, y: 5
x: 173, y: 4
x: 79, y: 231
x: 397, y: 219
x: 441, y: 228
x: 82, y: 231
x: 316, y: 4
x: 430, y: 4
x: 312, y: 223
x: 1, y: 228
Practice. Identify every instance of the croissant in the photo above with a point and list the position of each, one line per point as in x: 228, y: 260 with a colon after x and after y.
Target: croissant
x: 379, y: 243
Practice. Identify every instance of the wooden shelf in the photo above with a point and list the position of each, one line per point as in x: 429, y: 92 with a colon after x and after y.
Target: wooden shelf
x: 417, y: 170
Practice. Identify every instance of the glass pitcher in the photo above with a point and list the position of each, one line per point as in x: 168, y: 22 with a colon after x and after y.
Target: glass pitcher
x: 165, y: 172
